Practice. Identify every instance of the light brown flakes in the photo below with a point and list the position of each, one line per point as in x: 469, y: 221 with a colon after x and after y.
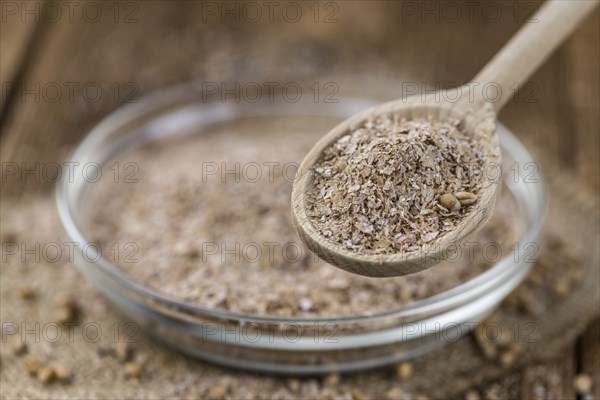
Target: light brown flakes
x: 509, y: 356
x: 67, y: 310
x: 395, y: 393
x: 562, y: 287
x: 256, y: 214
x: 390, y: 186
x: 583, y: 383
x: 332, y: 380
x: 123, y: 351
x: 27, y: 293
x: 33, y: 365
x: 472, y: 395
x: 404, y: 371
x: 217, y: 392
x: 488, y: 348
x: 62, y: 373
x: 293, y: 384
x: 18, y: 346
x: 46, y: 374
x: 133, y: 369
x: 357, y: 394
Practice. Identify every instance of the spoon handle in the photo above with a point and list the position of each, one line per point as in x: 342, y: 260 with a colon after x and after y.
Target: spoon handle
x: 530, y: 47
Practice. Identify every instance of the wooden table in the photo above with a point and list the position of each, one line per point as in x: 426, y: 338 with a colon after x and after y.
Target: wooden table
x: 65, y: 67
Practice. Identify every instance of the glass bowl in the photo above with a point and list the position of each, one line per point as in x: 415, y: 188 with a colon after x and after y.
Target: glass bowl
x: 297, y: 346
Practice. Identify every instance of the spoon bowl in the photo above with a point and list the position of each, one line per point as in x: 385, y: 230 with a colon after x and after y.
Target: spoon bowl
x: 480, y: 124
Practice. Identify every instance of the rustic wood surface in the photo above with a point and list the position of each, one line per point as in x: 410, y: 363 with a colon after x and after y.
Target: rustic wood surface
x: 143, y: 45
x: 15, y: 36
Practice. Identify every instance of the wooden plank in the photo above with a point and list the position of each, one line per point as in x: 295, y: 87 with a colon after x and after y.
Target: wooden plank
x: 84, y: 70
x: 122, y: 55
x: 552, y: 380
x: 163, y: 46
x: 557, y: 112
x: 16, y: 34
x: 583, y: 55
x: 589, y: 356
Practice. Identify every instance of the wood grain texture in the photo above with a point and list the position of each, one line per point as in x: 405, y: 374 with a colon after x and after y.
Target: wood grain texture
x: 15, y: 39
x: 532, y: 44
x: 550, y: 380
x: 588, y: 356
x: 553, y: 380
x: 557, y: 115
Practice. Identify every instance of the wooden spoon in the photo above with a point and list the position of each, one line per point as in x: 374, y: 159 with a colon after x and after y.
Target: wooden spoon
x: 477, y: 107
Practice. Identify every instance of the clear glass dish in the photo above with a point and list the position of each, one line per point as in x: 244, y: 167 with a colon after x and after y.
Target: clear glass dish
x: 299, y: 346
